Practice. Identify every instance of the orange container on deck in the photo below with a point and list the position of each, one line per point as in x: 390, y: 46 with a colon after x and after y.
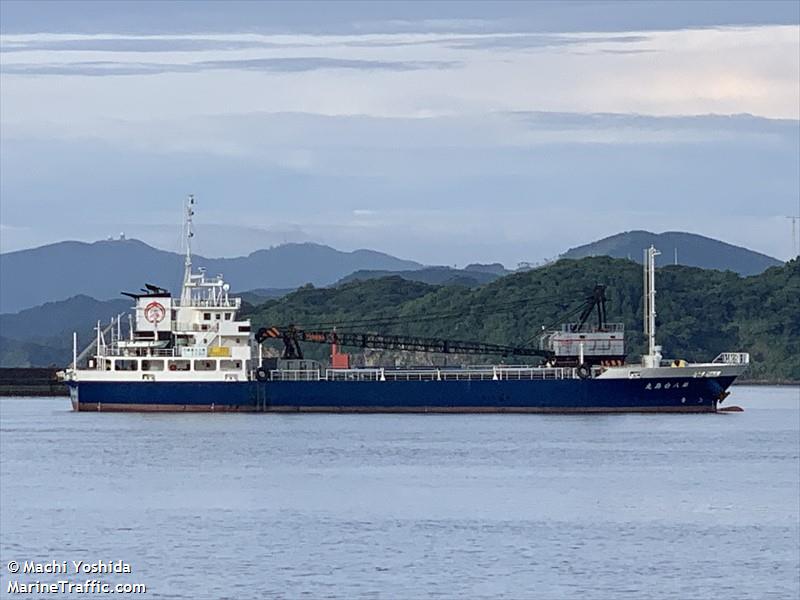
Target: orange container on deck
x: 339, y: 360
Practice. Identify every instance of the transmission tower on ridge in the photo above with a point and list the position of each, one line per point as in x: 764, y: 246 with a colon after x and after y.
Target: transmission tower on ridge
x: 795, y: 221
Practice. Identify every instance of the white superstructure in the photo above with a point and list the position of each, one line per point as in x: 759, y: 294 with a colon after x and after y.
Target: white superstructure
x: 197, y: 337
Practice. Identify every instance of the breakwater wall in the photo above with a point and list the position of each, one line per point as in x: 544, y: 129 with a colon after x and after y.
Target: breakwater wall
x: 33, y: 381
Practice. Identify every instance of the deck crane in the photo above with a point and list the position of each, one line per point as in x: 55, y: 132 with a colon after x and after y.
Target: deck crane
x: 573, y: 344
x: 578, y: 343
x: 596, y: 301
x: 292, y: 337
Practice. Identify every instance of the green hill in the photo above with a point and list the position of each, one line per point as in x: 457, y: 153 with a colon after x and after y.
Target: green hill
x: 431, y: 275
x: 59, y: 319
x: 700, y: 312
x: 16, y: 353
x: 42, y: 336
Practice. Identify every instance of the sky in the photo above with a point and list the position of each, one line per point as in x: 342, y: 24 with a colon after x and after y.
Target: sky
x: 444, y: 132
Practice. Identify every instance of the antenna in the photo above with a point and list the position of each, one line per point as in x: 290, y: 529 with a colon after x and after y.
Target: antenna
x: 187, y: 265
x: 189, y: 229
x: 795, y: 221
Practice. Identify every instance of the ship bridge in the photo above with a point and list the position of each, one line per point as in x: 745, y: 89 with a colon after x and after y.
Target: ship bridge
x: 197, y: 335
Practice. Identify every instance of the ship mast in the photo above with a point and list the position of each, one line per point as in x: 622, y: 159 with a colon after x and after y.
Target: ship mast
x: 653, y: 356
x: 186, y: 294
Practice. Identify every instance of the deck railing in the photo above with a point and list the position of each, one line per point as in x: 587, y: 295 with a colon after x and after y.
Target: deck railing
x: 607, y: 328
x: 733, y: 358
x: 377, y: 374
x: 109, y: 352
x: 233, y: 303
x: 295, y: 375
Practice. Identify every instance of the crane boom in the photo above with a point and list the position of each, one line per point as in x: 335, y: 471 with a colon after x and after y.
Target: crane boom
x: 596, y: 300
x: 292, y: 336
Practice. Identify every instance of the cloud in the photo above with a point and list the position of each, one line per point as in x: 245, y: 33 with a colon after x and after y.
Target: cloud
x: 130, y: 44
x: 721, y: 70
x: 345, y: 144
x: 298, y: 64
x: 512, y: 186
x: 418, y: 139
x: 286, y: 65
x: 373, y: 17
x: 541, y: 41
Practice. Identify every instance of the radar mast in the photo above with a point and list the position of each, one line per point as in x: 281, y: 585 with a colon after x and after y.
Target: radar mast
x: 186, y: 294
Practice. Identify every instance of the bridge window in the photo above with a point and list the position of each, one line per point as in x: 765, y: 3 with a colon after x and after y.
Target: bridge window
x: 179, y: 365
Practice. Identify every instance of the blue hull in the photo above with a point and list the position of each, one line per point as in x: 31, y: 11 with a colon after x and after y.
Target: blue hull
x: 570, y: 395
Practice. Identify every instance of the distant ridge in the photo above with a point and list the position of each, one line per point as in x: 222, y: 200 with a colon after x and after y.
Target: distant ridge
x: 693, y: 250
x: 103, y: 269
x: 469, y: 277
x: 15, y: 353
x: 59, y: 319
x: 759, y: 314
x: 42, y: 335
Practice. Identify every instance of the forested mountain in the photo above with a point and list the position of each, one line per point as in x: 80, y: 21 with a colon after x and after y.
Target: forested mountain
x: 432, y: 275
x: 700, y: 312
x: 17, y: 353
x: 102, y: 269
x: 59, y: 319
x: 691, y: 250
x: 42, y: 336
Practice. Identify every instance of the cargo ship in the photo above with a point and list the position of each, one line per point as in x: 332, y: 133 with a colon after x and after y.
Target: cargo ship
x: 195, y: 353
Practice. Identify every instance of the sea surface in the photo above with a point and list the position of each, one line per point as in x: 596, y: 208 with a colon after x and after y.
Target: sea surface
x: 410, y: 506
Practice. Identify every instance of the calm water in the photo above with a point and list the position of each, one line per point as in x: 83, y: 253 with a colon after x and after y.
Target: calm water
x: 406, y: 506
